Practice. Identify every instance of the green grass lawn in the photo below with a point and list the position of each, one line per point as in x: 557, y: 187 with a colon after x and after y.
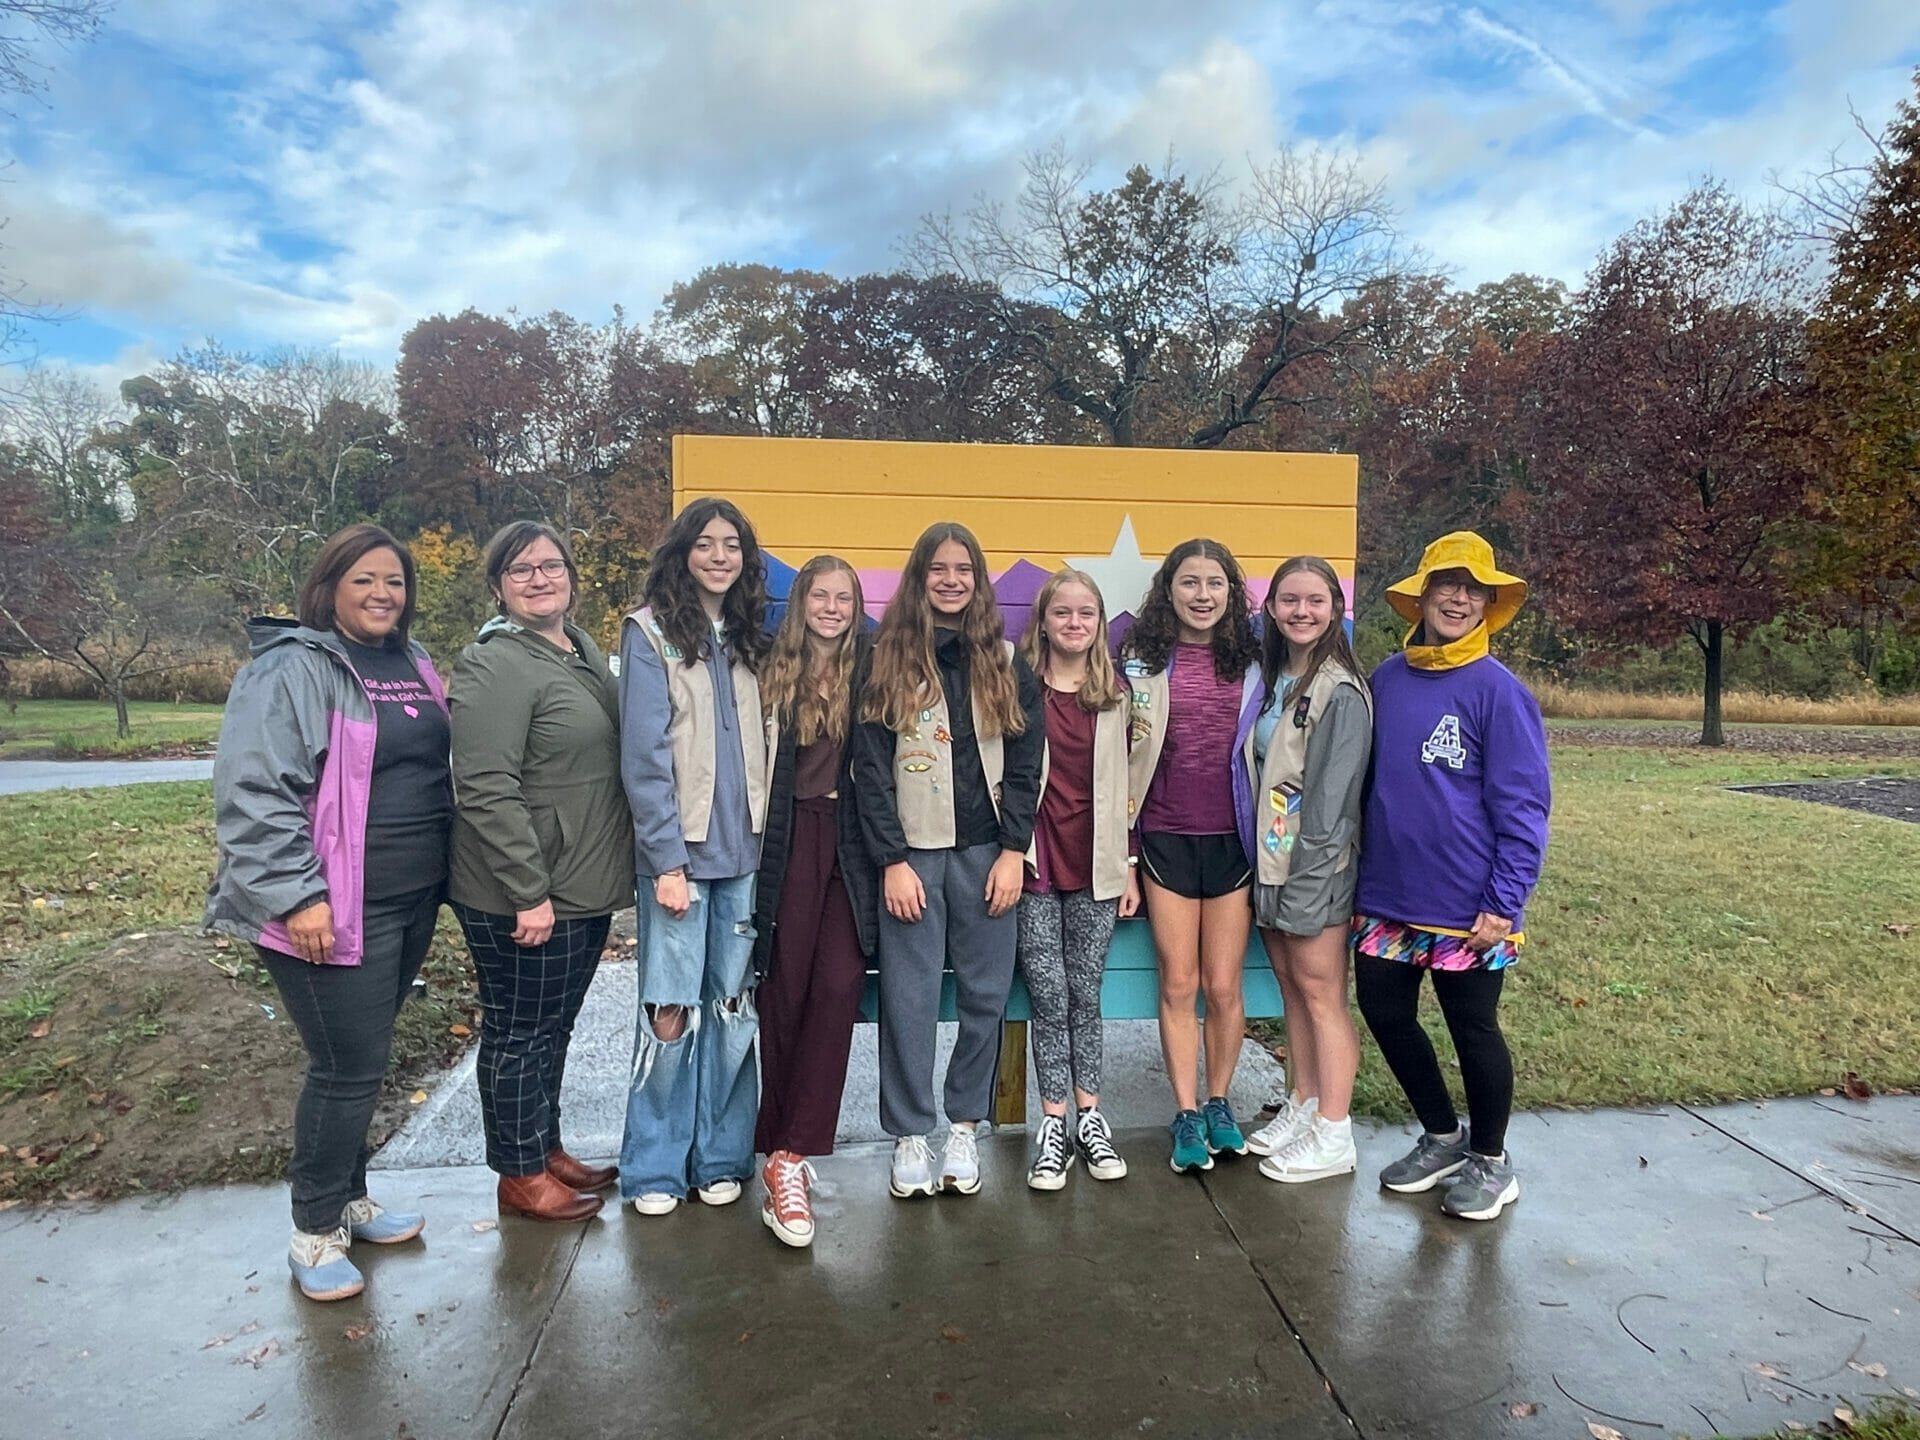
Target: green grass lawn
x: 1687, y: 943
x: 49, y: 729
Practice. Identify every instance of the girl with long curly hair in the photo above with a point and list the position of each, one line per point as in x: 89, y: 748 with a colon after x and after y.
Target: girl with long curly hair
x: 693, y: 756
x: 815, y: 905
x: 1312, y: 742
x: 1082, y: 878
x: 1193, y: 665
x: 947, y: 774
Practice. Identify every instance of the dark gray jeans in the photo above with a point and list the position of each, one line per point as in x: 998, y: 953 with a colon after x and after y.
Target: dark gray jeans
x: 345, y: 1015
x: 954, y: 929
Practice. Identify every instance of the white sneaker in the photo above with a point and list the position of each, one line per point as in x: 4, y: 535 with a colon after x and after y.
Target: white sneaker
x: 960, y: 1166
x: 719, y: 1192
x: 1273, y: 1136
x: 1323, y: 1149
x: 656, y: 1202
x: 912, y: 1172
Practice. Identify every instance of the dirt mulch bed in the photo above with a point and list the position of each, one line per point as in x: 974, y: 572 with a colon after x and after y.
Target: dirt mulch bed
x: 1892, y: 798
x: 1775, y: 739
x: 166, y: 1060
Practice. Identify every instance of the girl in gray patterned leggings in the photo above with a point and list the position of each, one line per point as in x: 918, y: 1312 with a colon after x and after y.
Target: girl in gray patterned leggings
x: 1081, y: 877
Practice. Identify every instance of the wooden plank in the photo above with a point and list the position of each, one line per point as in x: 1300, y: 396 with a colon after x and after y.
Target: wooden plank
x: 1010, y: 1079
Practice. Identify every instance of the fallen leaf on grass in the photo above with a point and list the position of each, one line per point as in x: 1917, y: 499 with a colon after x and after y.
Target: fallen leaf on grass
x: 1844, y: 1417
x: 39, y: 1029
x: 419, y: 1097
x: 1523, y: 1409
x: 953, y: 1336
x: 1876, y: 1369
x: 1899, y: 932
x: 1827, y: 1090
x: 357, y: 1332
x: 1603, y: 1432
x: 459, y: 1032
x: 1853, y: 1087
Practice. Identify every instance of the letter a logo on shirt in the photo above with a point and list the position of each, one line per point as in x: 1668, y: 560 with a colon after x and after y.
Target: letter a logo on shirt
x: 1444, y: 744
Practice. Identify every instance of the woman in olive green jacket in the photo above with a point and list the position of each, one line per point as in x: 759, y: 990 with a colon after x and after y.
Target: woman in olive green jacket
x: 542, y: 856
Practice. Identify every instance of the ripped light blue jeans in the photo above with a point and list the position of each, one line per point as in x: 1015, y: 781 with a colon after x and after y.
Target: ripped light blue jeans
x: 692, y: 1101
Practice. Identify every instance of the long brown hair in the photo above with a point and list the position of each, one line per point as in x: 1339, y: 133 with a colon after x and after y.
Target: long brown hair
x: 344, y: 550
x: 675, y: 600
x: 1333, y: 645
x: 1100, y: 690
x: 789, y: 686
x: 906, y: 677
x: 1156, y: 629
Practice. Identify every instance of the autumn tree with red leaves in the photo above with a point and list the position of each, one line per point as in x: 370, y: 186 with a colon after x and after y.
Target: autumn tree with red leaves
x: 1667, y: 440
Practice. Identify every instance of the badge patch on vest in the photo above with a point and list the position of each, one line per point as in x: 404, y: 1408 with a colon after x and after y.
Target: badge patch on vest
x: 1283, y: 802
x: 942, y: 736
x: 917, y: 762
x: 1444, y: 744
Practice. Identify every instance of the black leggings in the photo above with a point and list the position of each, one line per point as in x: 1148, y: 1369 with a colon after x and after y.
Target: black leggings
x: 1389, y: 995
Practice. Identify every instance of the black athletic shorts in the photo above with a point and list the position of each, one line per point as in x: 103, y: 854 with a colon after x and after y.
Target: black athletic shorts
x: 1198, y: 867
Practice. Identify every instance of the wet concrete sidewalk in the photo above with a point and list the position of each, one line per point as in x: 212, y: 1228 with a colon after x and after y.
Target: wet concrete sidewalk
x: 1672, y: 1272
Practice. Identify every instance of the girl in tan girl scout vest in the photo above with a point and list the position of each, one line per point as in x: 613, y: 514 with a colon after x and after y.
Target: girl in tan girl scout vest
x: 1193, y: 665
x: 946, y: 768
x: 1080, y: 878
x: 1311, y: 744
x: 693, y: 756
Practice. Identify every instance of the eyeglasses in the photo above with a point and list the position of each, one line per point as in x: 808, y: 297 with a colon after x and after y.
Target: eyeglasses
x: 1472, y: 589
x: 521, y: 573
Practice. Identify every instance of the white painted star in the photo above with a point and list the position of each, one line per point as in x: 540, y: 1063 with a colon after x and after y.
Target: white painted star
x: 1123, y: 574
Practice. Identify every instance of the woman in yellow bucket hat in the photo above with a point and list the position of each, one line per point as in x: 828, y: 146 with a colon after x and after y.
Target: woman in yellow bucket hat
x: 1453, y: 836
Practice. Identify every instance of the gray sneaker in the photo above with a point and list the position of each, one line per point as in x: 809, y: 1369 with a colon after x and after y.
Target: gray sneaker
x: 1482, y: 1190
x: 1432, y: 1159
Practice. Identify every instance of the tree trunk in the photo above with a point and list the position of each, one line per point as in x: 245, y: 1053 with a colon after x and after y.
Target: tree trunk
x: 122, y: 728
x: 1711, y: 732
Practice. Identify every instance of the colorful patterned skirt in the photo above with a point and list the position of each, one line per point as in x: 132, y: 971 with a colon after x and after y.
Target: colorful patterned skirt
x: 1391, y: 940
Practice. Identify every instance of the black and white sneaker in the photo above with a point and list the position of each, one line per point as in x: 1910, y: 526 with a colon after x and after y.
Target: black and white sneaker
x: 1052, y: 1155
x: 1094, y: 1139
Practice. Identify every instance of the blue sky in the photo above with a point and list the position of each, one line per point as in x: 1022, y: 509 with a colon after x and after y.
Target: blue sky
x: 328, y: 173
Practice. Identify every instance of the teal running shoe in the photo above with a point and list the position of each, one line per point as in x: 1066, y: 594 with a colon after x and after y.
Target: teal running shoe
x: 1223, y: 1131
x: 1190, y: 1150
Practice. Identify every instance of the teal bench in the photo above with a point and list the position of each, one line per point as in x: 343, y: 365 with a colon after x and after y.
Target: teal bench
x: 1130, y: 990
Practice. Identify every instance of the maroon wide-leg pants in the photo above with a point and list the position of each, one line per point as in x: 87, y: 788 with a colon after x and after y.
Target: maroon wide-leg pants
x: 811, y: 997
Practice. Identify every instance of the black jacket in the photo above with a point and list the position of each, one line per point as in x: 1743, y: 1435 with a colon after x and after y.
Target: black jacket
x: 857, y: 872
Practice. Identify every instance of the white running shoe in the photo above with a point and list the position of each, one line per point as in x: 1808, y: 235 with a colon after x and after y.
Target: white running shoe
x: 960, y: 1166
x: 912, y: 1172
x: 1273, y: 1136
x: 1321, y: 1150
x: 719, y: 1192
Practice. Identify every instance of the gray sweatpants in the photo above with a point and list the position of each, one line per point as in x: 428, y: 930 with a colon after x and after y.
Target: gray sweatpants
x: 953, y: 929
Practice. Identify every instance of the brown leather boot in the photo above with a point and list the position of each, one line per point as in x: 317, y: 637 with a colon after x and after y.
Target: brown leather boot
x: 543, y: 1197
x: 569, y: 1171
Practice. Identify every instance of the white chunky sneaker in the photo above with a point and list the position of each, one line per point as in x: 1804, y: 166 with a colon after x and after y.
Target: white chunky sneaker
x: 1320, y: 1150
x: 912, y: 1172
x: 719, y: 1192
x: 655, y: 1202
x: 960, y: 1166
x: 1287, y: 1123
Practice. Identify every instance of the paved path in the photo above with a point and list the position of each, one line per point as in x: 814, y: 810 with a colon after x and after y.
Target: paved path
x: 21, y: 777
x: 1730, y: 1269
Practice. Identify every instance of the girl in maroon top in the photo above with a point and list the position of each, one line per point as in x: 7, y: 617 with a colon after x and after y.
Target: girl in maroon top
x: 1193, y: 664
x: 1068, y: 910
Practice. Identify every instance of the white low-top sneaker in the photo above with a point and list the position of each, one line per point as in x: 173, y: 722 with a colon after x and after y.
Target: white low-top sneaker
x: 1274, y: 1135
x: 655, y: 1202
x: 1322, y: 1149
x: 960, y: 1166
x: 718, y: 1192
x: 912, y: 1172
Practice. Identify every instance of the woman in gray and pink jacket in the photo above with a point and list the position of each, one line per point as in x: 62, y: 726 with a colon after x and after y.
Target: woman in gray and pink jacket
x: 332, y: 806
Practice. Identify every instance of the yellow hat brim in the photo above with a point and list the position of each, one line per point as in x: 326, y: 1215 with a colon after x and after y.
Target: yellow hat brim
x: 1462, y: 550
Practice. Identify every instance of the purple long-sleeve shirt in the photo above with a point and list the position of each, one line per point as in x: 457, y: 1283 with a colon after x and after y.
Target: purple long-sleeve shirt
x: 1456, y: 812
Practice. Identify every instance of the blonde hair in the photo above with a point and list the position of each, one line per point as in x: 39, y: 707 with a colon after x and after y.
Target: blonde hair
x: 906, y: 677
x: 1100, y: 690
x: 789, y: 688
